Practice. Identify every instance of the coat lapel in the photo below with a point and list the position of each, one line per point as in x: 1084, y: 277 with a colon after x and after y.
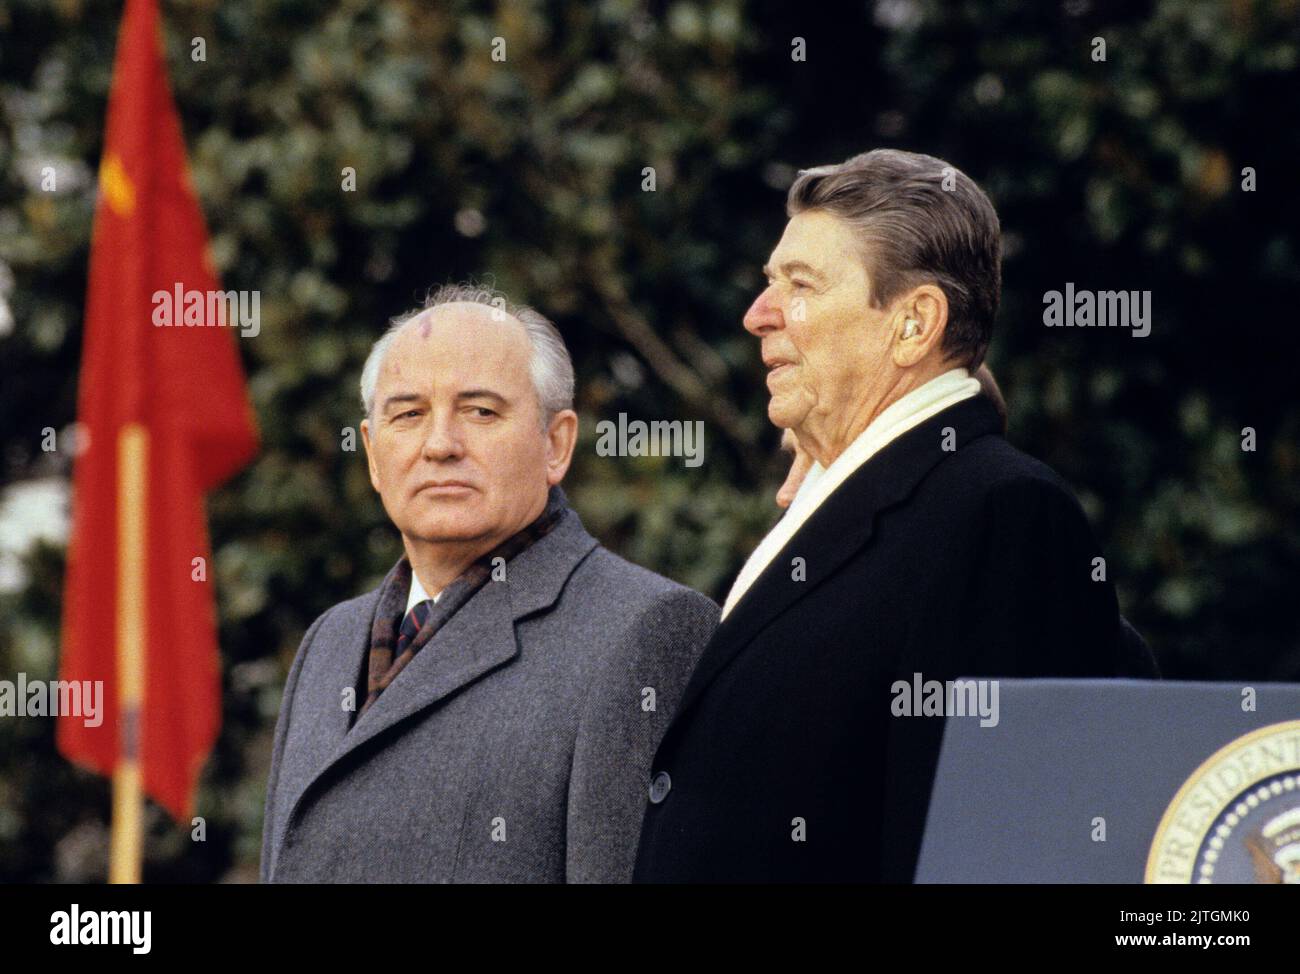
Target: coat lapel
x: 476, y: 640
x: 839, y: 528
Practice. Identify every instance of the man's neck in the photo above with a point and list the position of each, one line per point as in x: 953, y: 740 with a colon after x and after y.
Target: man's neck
x: 439, y: 563
x: 827, y: 446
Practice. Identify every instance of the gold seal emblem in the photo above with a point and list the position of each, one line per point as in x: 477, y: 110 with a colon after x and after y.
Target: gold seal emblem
x: 1237, y: 818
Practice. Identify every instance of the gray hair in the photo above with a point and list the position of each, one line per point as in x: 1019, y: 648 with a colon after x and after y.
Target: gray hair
x: 551, y: 368
x: 919, y: 220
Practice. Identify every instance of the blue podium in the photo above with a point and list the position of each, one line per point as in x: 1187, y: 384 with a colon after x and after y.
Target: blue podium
x: 1120, y: 781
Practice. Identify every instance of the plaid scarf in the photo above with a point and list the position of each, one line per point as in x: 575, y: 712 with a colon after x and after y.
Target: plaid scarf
x: 396, y: 589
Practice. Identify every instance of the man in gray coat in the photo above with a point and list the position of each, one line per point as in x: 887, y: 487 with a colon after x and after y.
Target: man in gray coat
x: 489, y: 713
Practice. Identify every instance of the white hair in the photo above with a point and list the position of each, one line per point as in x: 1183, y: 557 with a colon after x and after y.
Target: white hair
x: 550, y: 367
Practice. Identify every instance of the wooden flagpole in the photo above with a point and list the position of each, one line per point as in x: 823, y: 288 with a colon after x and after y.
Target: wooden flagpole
x: 126, y: 849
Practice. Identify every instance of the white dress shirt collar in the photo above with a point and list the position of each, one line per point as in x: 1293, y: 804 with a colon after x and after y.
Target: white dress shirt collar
x: 418, y: 594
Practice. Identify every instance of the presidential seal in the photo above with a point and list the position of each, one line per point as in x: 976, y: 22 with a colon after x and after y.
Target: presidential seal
x: 1237, y: 818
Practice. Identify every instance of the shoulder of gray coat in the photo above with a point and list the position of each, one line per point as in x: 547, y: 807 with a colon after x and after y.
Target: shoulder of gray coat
x: 606, y: 576
x: 344, y: 615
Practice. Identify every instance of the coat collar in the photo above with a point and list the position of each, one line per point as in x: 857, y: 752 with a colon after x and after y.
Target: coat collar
x: 477, y: 639
x: 840, y: 527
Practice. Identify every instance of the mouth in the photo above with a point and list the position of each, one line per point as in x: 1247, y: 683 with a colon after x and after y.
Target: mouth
x: 777, y: 367
x: 446, y: 488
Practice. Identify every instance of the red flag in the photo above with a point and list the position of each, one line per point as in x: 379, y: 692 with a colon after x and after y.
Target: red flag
x: 179, y: 388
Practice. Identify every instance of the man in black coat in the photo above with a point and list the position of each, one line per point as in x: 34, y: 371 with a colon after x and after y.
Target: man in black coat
x: 920, y: 547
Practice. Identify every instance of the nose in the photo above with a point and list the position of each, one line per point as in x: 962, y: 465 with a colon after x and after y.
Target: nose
x: 443, y: 441
x: 764, y: 314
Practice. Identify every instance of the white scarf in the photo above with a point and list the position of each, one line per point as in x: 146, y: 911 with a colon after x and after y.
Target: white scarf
x: 911, y: 410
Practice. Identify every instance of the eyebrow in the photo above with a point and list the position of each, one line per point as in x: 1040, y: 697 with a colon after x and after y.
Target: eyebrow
x: 793, y: 266
x: 402, y: 398
x: 496, y: 397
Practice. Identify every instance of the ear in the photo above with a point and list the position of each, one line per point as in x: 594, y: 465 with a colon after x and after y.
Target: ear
x: 561, y: 437
x: 370, y: 455
x: 926, y: 308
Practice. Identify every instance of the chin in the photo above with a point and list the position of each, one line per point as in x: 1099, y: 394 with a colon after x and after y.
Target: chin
x: 783, y: 413
x: 450, y: 526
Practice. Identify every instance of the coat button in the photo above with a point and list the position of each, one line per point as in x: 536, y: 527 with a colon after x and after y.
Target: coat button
x: 659, y: 787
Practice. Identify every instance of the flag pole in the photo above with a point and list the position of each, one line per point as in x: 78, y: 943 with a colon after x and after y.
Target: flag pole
x: 126, y: 846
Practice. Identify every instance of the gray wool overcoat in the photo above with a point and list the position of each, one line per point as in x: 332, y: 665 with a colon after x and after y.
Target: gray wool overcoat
x: 514, y: 747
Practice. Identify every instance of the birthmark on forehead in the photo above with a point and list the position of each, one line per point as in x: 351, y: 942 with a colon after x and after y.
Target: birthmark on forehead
x: 425, y: 327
